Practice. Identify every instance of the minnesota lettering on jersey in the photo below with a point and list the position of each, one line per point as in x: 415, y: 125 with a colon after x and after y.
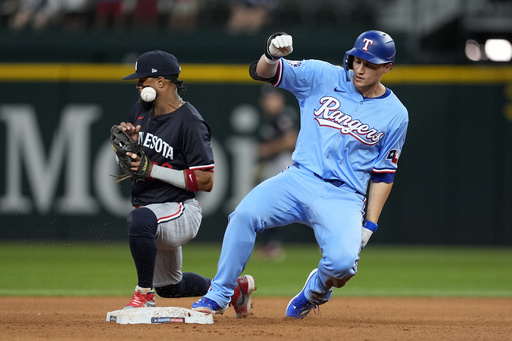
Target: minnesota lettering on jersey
x: 155, y: 143
x: 328, y: 115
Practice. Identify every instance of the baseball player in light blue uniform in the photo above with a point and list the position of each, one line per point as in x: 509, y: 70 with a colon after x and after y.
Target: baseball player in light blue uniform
x: 353, y: 129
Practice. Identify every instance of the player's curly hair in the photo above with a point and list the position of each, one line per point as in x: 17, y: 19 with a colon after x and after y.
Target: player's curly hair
x: 179, y: 84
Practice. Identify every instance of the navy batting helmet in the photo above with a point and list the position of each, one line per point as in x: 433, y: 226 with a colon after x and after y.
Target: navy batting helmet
x: 375, y: 47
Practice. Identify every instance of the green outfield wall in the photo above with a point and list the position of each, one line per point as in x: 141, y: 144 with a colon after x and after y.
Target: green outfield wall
x: 453, y: 186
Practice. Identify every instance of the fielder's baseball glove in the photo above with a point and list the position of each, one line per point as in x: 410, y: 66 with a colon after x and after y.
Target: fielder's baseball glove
x: 122, y: 143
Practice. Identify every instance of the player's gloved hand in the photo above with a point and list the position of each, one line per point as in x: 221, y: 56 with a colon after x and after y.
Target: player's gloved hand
x: 367, y: 231
x: 122, y: 144
x: 278, y: 45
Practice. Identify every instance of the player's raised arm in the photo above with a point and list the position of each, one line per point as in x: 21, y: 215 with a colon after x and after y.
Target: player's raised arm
x: 277, y: 45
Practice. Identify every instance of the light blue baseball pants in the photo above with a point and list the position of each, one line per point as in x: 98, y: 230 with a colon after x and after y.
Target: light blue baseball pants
x: 295, y: 195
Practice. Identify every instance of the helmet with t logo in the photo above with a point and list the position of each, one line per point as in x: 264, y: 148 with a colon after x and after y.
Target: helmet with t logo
x: 376, y: 47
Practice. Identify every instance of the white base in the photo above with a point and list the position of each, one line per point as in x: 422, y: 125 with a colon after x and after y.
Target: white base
x: 159, y: 315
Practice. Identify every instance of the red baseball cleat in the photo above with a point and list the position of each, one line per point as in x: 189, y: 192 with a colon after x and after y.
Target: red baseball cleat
x: 241, y: 299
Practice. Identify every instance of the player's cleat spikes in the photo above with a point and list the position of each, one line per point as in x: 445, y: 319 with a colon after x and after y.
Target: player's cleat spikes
x: 241, y: 299
x: 207, y: 306
x: 140, y: 300
x: 299, y: 307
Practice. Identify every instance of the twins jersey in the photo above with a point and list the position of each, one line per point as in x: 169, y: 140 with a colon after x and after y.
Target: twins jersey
x: 343, y: 135
x: 178, y: 140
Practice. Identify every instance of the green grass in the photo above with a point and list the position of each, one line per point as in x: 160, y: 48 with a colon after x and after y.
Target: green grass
x: 56, y: 269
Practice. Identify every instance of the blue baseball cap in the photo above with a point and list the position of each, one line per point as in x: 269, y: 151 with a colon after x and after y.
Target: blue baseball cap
x: 153, y: 64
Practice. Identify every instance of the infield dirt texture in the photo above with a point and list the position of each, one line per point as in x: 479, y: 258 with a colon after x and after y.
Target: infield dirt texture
x: 67, y: 318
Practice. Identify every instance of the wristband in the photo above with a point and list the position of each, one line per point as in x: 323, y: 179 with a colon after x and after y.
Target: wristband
x: 370, y: 225
x: 191, y: 180
x: 271, y: 61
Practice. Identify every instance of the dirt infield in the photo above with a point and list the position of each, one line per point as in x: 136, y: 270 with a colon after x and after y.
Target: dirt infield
x: 66, y: 318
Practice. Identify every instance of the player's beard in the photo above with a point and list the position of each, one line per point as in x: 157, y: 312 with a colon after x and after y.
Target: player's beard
x: 146, y: 105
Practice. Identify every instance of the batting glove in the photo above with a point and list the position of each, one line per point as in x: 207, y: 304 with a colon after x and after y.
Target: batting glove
x: 367, y: 231
x: 278, y: 45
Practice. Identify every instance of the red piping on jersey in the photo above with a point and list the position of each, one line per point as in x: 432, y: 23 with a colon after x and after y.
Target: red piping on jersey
x: 279, y: 72
x: 384, y: 171
x: 208, y: 168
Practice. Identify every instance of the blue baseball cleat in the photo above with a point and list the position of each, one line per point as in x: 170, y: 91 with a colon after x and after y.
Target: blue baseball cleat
x: 207, y: 306
x: 299, y: 307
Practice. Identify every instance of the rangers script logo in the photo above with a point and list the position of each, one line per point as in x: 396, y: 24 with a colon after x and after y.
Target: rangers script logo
x: 329, y: 116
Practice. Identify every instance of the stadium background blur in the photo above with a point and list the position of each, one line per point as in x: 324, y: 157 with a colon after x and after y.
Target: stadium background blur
x: 61, y: 64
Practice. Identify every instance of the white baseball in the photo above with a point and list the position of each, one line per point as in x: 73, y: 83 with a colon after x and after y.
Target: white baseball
x: 148, y: 94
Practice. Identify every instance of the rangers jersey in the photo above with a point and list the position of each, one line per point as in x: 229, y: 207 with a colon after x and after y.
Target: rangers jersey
x: 344, y: 136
